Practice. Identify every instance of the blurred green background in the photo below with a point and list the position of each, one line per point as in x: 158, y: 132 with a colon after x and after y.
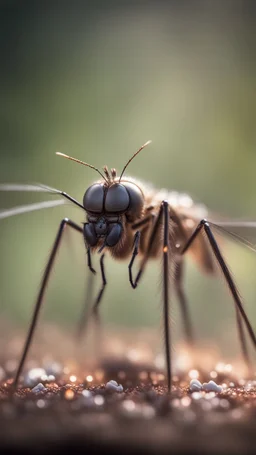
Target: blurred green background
x: 96, y: 80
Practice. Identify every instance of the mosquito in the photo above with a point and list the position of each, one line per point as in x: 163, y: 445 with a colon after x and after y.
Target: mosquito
x: 128, y: 219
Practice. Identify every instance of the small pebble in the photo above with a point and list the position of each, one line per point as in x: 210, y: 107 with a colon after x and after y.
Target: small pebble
x: 114, y: 386
x: 38, y: 388
x: 211, y: 386
x: 195, y: 385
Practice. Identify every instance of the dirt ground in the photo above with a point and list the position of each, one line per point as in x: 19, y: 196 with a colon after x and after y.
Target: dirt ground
x: 64, y: 413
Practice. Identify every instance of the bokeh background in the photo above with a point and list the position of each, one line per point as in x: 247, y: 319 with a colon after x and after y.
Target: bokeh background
x: 95, y: 80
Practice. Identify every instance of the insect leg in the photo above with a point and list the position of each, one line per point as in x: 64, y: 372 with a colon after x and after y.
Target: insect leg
x: 178, y: 285
x: 242, y: 340
x: 165, y: 208
x: 150, y: 245
x: 145, y: 221
x: 163, y: 213
x: 178, y: 280
x: 89, y: 260
x: 84, y: 316
x: 86, y: 308
x: 95, y: 310
x: 100, y: 294
x: 37, y: 307
x: 230, y: 282
x: 134, y: 254
x: 71, y: 199
x: 240, y: 312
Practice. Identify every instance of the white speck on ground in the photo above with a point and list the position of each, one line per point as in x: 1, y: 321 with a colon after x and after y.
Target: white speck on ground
x: 38, y: 388
x: 195, y: 385
x: 114, y: 386
x: 211, y: 386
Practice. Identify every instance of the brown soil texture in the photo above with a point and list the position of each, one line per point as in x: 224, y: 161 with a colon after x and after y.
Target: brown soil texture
x: 80, y: 417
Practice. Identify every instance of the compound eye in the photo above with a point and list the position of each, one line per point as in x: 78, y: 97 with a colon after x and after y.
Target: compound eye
x: 117, y: 199
x: 136, y: 199
x: 93, y: 198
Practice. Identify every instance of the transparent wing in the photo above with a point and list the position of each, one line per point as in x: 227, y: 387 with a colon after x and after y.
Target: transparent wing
x: 6, y: 213
x: 243, y: 231
x: 37, y: 187
x: 236, y: 224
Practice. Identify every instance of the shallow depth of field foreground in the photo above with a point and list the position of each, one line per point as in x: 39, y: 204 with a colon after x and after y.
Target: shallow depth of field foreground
x: 119, y: 400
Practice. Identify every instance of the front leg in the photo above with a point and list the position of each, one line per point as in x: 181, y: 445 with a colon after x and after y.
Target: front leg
x: 163, y: 216
x: 84, y: 315
x: 144, y: 222
x: 47, y: 272
x: 104, y: 282
x: 93, y: 311
x: 134, y: 254
x: 89, y: 260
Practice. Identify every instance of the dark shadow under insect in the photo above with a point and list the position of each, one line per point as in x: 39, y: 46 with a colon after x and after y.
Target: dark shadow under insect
x: 128, y: 219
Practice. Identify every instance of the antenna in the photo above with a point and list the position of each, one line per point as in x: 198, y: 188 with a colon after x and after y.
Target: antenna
x: 133, y: 156
x: 81, y: 162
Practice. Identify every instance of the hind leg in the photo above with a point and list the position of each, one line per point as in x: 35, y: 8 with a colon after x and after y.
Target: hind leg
x: 185, y: 314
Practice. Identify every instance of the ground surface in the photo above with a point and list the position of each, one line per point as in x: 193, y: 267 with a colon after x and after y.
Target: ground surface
x: 81, y: 414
